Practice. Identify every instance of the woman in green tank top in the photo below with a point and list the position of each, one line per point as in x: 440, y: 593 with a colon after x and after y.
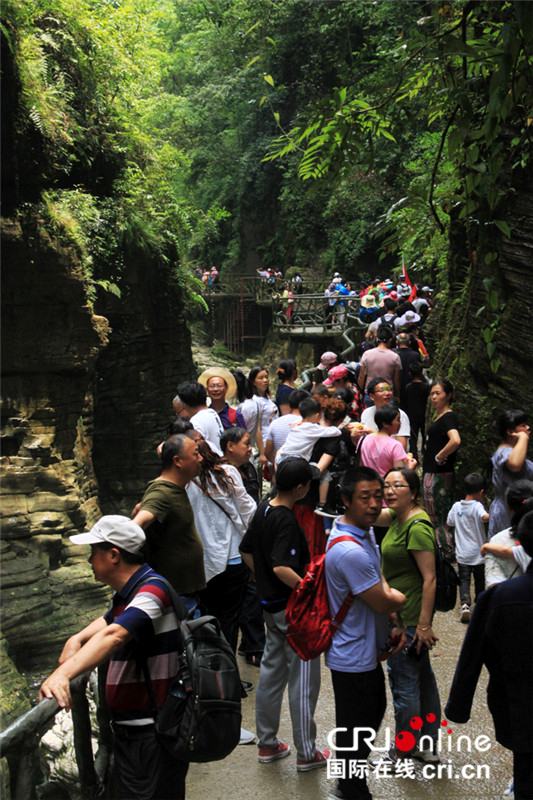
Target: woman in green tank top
x: 408, y: 564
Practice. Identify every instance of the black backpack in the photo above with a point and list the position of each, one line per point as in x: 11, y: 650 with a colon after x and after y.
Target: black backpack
x: 201, y: 717
x: 447, y: 578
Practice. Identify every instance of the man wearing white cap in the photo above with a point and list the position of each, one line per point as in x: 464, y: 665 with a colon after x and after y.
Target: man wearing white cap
x: 140, y: 625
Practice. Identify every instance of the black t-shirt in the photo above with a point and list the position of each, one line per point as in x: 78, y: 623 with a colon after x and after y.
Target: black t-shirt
x: 250, y: 481
x: 329, y: 445
x: 407, y: 356
x: 282, y: 394
x: 275, y: 539
x: 437, y: 438
x: 416, y: 400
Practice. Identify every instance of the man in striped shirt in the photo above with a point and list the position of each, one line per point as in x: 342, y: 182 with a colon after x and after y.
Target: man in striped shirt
x: 140, y: 625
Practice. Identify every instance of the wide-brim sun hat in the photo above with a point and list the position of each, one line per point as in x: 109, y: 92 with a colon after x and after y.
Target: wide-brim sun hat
x: 409, y: 318
x: 220, y: 372
x: 368, y: 301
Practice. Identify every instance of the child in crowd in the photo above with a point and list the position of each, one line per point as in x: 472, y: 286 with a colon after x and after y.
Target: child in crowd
x: 302, y: 438
x: 505, y: 548
x: 321, y: 394
x: 468, y: 517
x: 415, y: 403
x: 499, y: 569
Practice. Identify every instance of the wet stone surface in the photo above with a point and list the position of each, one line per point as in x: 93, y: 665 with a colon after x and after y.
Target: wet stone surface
x: 241, y: 777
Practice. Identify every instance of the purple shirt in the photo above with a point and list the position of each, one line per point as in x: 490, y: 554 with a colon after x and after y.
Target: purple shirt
x: 230, y: 417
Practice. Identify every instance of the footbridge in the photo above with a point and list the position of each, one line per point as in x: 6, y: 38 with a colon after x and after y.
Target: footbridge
x: 248, y: 307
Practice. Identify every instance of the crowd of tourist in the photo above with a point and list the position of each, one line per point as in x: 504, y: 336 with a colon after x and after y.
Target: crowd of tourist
x: 251, y: 488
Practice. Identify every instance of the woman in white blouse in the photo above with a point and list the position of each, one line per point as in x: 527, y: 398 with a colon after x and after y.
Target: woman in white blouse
x: 222, y: 511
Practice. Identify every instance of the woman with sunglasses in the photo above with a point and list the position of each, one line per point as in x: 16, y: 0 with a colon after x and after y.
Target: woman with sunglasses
x: 408, y: 564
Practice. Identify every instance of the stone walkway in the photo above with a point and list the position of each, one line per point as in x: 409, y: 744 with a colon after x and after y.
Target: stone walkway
x: 241, y: 777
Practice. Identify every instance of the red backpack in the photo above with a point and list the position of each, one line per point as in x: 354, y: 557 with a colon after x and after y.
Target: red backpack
x: 310, y: 626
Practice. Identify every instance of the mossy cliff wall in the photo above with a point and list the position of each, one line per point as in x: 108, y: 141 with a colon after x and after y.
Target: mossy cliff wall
x: 50, y: 343
x: 458, y: 330
x: 148, y: 355
x: 72, y: 378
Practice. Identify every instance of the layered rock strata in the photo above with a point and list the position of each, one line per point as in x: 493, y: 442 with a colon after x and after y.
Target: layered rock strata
x: 50, y: 342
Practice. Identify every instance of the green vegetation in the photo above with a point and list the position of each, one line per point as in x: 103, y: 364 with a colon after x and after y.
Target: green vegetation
x: 313, y: 135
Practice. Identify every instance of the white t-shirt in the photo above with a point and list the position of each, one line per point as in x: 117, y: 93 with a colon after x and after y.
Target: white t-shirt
x: 302, y: 438
x: 388, y: 319
x: 221, y: 531
x: 498, y: 569
x: 466, y: 517
x: 269, y: 411
x: 521, y: 557
x: 208, y: 423
x: 279, y: 429
x: 367, y: 418
x: 250, y: 411
x: 419, y: 302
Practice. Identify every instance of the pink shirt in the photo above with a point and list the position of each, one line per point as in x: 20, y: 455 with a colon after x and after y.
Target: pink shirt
x: 381, y: 453
x: 380, y: 363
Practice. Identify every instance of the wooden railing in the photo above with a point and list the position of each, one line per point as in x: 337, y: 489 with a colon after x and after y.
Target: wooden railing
x: 19, y: 743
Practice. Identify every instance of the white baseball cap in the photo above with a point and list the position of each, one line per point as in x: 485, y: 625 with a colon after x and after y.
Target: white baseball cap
x: 115, y: 529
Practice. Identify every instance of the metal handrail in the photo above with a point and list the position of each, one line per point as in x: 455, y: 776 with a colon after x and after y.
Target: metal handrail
x: 257, y: 288
x: 315, y: 311
x: 20, y: 740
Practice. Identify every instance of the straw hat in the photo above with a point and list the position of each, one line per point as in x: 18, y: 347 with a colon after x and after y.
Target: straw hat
x: 220, y: 372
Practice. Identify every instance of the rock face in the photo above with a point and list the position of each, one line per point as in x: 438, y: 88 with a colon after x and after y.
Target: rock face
x: 50, y: 343
x: 71, y: 377
x: 148, y: 355
x: 480, y: 394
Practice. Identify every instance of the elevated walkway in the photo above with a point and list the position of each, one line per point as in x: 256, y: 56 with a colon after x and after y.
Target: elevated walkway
x: 305, y: 317
x: 312, y: 316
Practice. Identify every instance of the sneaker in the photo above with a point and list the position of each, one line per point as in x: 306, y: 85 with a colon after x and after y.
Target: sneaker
x: 269, y: 754
x: 336, y: 794
x: 254, y: 659
x: 465, y: 613
x: 427, y: 756
x: 320, y: 760
x: 247, y: 737
x: 509, y: 792
x: 247, y: 686
x: 383, y: 760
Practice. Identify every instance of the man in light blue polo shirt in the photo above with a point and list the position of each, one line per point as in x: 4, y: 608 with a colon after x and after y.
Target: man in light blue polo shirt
x: 357, y: 677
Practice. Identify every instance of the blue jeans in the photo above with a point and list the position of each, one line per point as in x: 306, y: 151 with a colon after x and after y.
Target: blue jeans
x: 465, y: 571
x: 414, y: 693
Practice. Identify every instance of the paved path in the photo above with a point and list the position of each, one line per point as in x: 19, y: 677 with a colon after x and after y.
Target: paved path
x: 241, y: 777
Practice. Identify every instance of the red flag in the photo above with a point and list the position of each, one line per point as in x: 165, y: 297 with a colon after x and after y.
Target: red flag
x: 407, y: 280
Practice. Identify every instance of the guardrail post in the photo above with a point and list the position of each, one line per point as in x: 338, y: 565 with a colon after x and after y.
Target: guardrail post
x: 28, y: 770
x: 81, y: 721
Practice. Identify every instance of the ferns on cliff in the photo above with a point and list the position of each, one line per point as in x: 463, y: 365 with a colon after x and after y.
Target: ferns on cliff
x: 86, y: 143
